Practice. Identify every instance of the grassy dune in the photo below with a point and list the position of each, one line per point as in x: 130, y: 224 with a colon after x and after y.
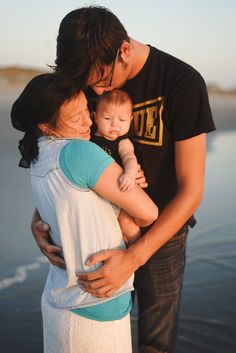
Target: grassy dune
x: 15, y: 76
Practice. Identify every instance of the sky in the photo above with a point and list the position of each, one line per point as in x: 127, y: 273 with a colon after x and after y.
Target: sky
x: 199, y: 32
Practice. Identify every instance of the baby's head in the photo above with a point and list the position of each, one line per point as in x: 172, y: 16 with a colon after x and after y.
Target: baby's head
x: 113, y: 114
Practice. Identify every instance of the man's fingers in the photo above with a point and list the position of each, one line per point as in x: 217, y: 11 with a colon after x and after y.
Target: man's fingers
x: 96, y: 284
x: 53, y: 249
x: 40, y: 231
x: 102, y: 292
x: 54, y: 259
x: 99, y: 257
x: 143, y: 185
x: 89, y: 276
x: 44, y: 245
x: 110, y: 292
x: 53, y: 253
x: 41, y: 226
x: 140, y: 178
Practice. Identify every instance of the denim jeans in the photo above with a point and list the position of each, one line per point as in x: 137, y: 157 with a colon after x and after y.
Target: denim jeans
x: 158, y: 286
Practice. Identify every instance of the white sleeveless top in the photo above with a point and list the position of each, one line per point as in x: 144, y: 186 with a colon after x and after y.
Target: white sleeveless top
x: 81, y: 222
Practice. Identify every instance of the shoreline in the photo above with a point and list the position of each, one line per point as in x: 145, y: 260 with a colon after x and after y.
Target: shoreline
x: 219, y: 102
x: 13, y: 78
x: 15, y: 87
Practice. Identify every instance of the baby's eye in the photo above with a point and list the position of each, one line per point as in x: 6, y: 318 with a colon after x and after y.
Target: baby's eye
x: 122, y: 119
x: 107, y: 118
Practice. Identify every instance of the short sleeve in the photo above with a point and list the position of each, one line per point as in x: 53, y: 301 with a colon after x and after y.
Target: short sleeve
x: 189, y: 109
x: 83, y: 162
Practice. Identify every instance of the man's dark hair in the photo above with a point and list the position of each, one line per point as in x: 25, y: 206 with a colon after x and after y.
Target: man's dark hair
x: 88, y: 38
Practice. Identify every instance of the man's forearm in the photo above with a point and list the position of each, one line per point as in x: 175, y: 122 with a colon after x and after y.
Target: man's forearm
x: 172, y: 218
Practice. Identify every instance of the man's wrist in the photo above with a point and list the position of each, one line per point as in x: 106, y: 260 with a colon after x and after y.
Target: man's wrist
x: 136, y: 255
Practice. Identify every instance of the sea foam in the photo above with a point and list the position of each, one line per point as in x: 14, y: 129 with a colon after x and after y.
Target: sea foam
x: 21, y: 273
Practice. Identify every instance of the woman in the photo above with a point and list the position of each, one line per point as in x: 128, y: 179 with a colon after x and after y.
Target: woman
x: 74, y: 183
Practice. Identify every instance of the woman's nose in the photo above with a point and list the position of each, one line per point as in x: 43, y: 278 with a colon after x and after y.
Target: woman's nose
x: 87, y: 120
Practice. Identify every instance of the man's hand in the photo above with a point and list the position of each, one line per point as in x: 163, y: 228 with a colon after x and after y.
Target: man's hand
x: 105, y: 281
x: 140, y: 178
x: 40, y: 231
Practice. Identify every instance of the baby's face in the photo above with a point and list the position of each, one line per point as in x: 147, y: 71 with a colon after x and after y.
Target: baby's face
x: 113, y: 120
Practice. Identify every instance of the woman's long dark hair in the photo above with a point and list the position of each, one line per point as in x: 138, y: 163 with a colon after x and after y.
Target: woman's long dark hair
x: 39, y: 103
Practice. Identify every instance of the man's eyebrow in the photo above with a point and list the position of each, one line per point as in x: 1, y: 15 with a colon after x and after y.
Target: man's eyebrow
x: 101, y: 79
x: 100, y: 73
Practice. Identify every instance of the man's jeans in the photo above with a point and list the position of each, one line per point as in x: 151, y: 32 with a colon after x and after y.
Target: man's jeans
x: 158, y: 285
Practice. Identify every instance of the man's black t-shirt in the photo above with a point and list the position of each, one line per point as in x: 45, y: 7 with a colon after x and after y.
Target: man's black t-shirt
x: 170, y: 104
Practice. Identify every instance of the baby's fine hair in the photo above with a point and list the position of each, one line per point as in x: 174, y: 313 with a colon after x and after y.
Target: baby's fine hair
x: 115, y: 96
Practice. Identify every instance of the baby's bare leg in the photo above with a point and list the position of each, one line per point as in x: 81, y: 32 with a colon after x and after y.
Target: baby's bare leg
x: 130, y: 230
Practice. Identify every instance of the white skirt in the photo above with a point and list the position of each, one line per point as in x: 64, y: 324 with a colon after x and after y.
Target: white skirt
x: 66, y: 332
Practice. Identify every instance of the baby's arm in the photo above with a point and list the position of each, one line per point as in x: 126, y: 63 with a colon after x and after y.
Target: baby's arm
x: 130, y: 165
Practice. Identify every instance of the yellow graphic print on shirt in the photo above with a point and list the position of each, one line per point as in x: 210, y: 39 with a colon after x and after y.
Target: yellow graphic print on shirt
x: 148, y: 123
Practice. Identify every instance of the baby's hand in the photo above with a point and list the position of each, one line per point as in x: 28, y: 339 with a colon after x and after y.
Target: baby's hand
x: 126, y: 182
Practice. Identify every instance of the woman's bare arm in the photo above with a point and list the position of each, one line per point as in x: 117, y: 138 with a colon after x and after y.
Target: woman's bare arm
x: 135, y: 202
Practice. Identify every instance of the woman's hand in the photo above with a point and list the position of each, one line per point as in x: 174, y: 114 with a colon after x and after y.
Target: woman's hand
x: 140, y: 178
x: 40, y: 231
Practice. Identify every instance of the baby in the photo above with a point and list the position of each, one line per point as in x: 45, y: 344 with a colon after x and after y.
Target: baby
x: 113, y: 117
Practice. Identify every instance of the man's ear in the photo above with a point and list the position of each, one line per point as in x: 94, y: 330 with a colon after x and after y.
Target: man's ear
x: 125, y: 51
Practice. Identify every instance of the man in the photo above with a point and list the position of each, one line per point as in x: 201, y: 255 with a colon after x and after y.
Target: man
x: 171, y: 118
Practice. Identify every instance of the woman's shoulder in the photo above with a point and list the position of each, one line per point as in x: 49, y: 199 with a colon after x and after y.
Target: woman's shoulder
x: 82, y: 162
x: 78, y: 146
x: 77, y: 149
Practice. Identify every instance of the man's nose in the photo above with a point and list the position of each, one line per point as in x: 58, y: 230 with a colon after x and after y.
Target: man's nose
x: 99, y: 90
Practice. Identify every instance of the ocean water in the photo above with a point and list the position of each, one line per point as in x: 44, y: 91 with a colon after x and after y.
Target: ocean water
x: 208, y: 312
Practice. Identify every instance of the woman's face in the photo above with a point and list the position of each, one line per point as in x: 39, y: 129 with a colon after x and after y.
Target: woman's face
x: 74, y: 118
